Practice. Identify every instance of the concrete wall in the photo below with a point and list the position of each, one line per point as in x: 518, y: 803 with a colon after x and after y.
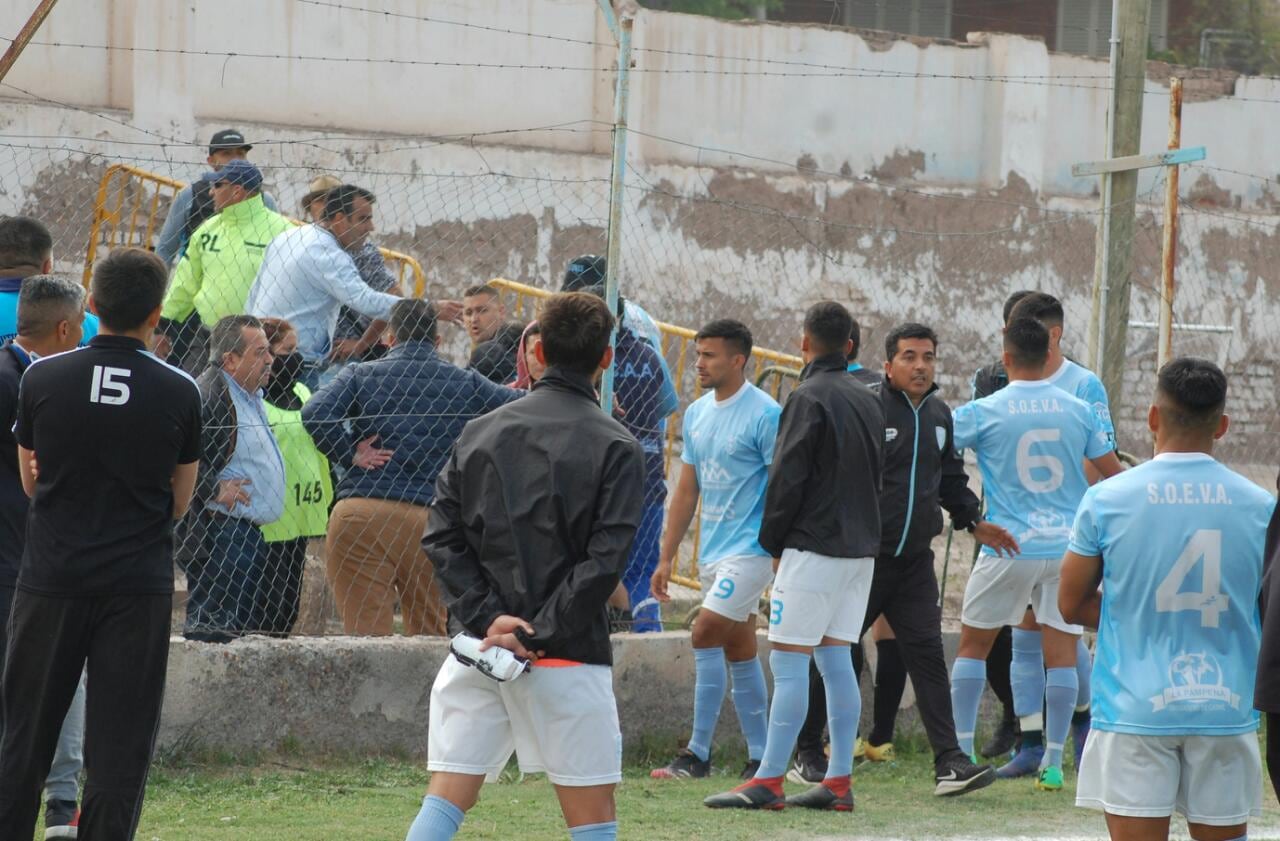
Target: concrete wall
x: 718, y: 240
x: 969, y: 112
x: 370, y: 696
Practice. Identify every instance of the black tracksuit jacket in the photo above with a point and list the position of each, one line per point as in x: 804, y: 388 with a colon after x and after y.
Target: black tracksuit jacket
x: 922, y: 471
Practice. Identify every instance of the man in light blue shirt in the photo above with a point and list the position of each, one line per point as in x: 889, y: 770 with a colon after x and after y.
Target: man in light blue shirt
x: 729, y: 435
x: 241, y: 486
x: 1031, y: 440
x: 1177, y: 547
x: 307, y: 275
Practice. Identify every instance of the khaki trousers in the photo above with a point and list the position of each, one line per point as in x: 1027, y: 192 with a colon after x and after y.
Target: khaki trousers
x: 373, y: 554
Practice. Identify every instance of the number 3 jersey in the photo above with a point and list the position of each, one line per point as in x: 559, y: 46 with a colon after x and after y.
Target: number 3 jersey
x: 1181, y: 542
x: 1031, y: 439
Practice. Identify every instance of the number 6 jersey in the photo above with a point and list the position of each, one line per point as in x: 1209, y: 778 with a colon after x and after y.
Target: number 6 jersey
x: 1181, y: 542
x: 1031, y: 439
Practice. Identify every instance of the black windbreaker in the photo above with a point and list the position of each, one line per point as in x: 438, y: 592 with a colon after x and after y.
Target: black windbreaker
x: 534, y: 516
x: 824, y: 483
x: 922, y: 471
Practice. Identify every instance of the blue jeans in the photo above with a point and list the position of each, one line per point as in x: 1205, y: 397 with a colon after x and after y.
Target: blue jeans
x: 645, y: 610
x: 223, y: 583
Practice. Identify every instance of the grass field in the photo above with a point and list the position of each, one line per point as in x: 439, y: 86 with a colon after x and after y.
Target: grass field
x: 374, y: 800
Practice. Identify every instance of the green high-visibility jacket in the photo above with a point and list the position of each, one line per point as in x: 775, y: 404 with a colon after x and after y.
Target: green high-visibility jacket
x: 214, y: 275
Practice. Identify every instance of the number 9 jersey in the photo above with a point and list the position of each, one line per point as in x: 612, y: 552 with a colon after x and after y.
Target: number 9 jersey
x: 1031, y: 439
x: 1181, y: 541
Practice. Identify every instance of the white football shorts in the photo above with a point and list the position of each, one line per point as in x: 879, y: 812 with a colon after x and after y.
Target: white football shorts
x: 732, y: 587
x: 815, y: 596
x: 999, y: 590
x: 559, y: 720
x: 1214, y: 780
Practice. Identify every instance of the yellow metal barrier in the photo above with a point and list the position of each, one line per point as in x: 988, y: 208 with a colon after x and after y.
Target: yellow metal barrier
x: 126, y: 212
x: 774, y: 371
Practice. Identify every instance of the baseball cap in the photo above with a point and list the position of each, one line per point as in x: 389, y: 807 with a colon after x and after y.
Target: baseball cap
x: 228, y: 138
x: 588, y: 270
x: 237, y: 172
x: 319, y: 186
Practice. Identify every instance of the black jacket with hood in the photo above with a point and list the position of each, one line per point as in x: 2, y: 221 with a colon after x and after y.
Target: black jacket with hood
x: 922, y: 471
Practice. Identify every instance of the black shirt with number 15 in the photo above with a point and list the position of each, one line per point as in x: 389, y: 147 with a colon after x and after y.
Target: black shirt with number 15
x: 108, y: 424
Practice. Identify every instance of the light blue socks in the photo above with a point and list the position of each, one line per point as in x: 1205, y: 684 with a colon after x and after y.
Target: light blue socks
x: 595, y: 832
x: 844, y: 705
x: 751, y: 700
x: 1026, y: 675
x: 439, y: 820
x: 1084, y: 673
x: 710, y: 681
x: 1060, y: 691
x: 786, y: 714
x: 967, y: 680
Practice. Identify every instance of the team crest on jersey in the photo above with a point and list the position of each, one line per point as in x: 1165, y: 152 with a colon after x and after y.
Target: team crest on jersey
x: 1195, y: 678
x: 941, y: 432
x: 890, y: 434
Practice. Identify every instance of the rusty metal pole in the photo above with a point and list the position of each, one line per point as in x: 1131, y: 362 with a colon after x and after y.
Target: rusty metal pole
x: 24, y: 36
x: 1170, y: 256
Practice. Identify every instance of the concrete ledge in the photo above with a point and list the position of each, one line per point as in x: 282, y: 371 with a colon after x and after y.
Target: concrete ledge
x: 359, y: 695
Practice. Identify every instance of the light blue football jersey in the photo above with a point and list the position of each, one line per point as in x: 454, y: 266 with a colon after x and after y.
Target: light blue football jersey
x: 730, y: 445
x: 1079, y: 381
x: 1031, y: 439
x: 1181, y: 541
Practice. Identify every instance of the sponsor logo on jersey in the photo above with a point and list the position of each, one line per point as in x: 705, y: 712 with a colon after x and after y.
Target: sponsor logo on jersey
x: 1195, y: 678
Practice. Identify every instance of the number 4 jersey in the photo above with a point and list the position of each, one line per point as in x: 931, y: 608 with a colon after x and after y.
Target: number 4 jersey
x: 1031, y: 439
x: 1181, y: 542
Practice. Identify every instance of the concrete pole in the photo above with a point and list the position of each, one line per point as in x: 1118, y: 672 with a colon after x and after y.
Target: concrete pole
x: 617, y: 193
x: 1115, y: 259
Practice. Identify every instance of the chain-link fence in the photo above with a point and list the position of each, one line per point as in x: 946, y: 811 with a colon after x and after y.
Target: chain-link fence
x: 360, y: 429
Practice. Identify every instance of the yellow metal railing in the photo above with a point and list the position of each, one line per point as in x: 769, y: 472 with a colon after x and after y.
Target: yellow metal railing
x: 126, y: 212
x: 772, y: 371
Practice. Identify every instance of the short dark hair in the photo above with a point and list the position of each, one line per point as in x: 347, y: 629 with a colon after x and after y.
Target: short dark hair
x: 413, y: 320
x: 227, y: 336
x: 24, y: 242
x: 44, y: 301
x: 576, y: 327
x: 828, y: 325
x: 855, y: 336
x: 480, y: 289
x: 342, y: 200
x: 1027, y: 342
x: 909, y: 330
x: 127, y: 286
x: 1193, y: 393
x: 1012, y: 301
x: 1041, y: 306
x: 733, y: 332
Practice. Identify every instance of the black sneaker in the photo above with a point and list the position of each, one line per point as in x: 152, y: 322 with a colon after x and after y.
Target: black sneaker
x: 955, y: 774
x: 749, y: 770
x: 821, y: 797
x: 685, y: 766
x: 753, y: 794
x: 61, y: 819
x: 1002, y: 741
x: 809, y: 767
